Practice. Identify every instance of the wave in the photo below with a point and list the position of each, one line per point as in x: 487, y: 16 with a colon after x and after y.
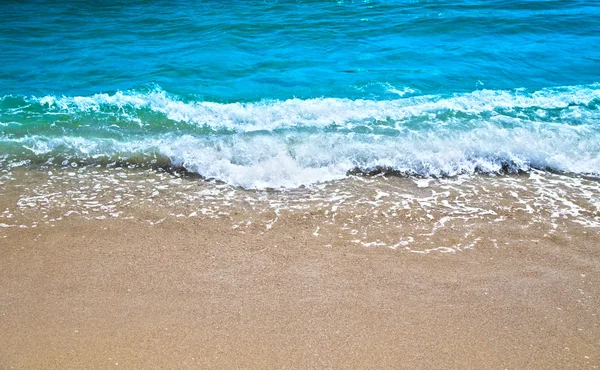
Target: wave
x: 287, y: 144
x: 273, y: 114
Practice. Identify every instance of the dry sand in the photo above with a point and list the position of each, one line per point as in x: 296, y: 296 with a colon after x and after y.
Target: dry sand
x: 196, y: 293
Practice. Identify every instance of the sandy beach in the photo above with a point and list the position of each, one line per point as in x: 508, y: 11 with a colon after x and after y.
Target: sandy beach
x: 300, y: 184
x: 197, y: 292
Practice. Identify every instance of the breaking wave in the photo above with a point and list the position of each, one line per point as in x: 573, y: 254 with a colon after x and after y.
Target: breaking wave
x: 286, y: 144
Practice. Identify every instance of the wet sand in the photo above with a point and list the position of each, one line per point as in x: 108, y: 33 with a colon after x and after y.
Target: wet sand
x: 148, y: 289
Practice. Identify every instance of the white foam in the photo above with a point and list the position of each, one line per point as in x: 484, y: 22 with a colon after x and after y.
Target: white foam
x: 271, y: 115
x: 262, y: 161
x: 256, y: 156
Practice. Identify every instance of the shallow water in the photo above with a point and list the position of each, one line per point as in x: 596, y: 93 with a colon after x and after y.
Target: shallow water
x: 409, y: 214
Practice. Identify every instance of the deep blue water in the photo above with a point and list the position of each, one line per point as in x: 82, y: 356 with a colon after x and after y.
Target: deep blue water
x: 268, y: 93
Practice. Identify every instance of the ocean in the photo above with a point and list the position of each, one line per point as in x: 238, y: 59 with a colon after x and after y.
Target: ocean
x: 388, y: 106
x: 268, y: 94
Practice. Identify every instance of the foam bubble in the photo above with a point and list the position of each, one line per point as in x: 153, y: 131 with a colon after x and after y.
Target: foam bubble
x: 271, y: 115
x: 287, y: 144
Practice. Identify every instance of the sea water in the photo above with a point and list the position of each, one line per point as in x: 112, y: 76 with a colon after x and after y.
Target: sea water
x: 284, y: 94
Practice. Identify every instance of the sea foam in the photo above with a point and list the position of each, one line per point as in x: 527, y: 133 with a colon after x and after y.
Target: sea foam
x: 319, y: 112
x: 286, y: 144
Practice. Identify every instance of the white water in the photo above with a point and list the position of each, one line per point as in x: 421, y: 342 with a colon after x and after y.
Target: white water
x: 287, y: 144
x: 271, y: 115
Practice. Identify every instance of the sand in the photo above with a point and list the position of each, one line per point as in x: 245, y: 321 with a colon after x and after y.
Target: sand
x: 195, y: 292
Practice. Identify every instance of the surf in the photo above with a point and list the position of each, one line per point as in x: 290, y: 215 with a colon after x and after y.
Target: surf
x: 299, y: 142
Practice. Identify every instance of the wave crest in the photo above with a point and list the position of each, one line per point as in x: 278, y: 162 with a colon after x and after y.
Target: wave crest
x: 286, y: 144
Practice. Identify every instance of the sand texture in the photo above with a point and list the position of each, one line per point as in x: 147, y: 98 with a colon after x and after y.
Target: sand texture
x: 148, y: 289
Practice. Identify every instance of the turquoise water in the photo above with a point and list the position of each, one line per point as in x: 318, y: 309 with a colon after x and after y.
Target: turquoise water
x: 282, y: 94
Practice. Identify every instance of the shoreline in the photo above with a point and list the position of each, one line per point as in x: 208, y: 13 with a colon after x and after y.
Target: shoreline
x: 149, y: 289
